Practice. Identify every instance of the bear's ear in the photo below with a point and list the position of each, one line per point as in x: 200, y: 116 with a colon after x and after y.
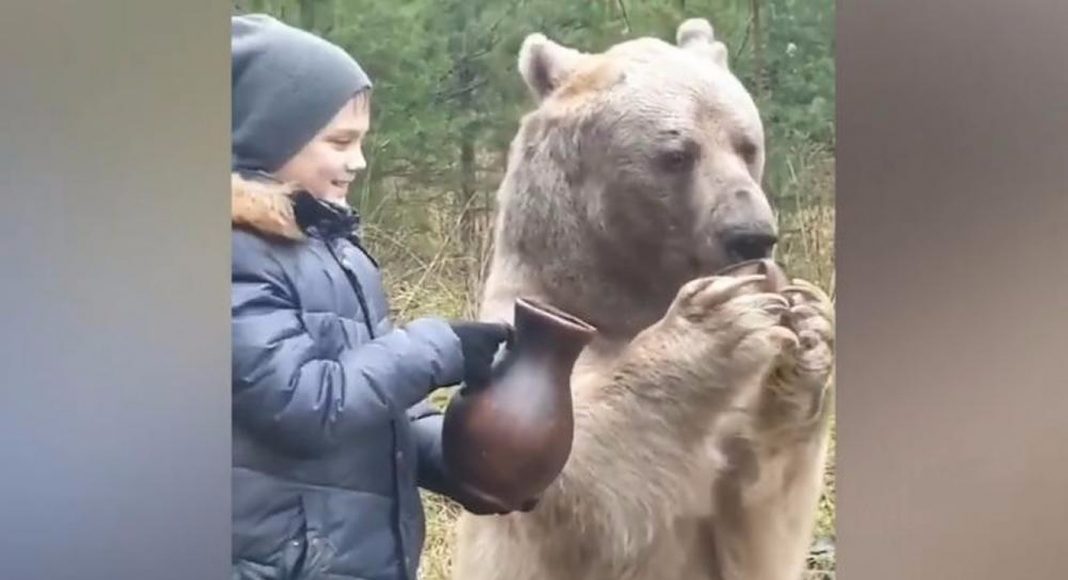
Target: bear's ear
x: 545, y: 65
x: 696, y: 35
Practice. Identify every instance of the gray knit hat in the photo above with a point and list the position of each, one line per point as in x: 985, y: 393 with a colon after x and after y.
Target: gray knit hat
x: 286, y: 85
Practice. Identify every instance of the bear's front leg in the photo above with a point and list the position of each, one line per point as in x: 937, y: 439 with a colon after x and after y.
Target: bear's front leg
x: 796, y: 401
x: 767, y: 503
x: 637, y: 429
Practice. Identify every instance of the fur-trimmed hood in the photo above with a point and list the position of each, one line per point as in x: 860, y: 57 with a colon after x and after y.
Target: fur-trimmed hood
x: 286, y: 211
x: 266, y: 208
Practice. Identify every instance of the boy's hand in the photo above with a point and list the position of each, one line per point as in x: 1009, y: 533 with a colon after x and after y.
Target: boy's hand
x: 479, y: 342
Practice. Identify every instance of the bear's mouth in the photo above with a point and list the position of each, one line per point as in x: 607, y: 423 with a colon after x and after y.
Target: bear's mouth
x: 748, y: 254
x: 749, y: 245
x: 710, y: 263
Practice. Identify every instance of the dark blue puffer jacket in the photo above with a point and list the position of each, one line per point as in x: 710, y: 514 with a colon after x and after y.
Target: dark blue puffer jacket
x: 331, y: 432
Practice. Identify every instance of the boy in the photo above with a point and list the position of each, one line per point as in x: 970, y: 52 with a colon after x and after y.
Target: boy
x: 331, y: 433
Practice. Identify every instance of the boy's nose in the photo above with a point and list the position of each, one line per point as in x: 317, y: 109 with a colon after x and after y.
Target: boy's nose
x: 356, y: 164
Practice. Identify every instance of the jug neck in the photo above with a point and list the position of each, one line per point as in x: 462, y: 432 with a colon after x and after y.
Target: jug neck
x: 544, y: 327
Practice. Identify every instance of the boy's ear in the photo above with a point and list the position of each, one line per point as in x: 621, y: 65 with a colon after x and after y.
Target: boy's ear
x: 545, y: 65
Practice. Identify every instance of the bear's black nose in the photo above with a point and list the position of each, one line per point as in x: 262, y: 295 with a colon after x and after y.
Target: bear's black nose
x: 749, y: 244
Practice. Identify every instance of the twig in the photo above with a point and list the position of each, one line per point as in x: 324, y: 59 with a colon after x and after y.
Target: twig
x: 626, y: 18
x: 437, y: 257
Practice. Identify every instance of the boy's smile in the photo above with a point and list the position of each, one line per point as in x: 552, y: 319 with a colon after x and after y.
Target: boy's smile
x: 329, y: 163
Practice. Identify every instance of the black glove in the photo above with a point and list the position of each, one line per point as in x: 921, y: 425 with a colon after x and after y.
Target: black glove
x: 479, y: 342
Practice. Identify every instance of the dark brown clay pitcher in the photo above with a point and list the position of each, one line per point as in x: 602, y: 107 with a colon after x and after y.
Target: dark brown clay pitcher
x: 508, y: 440
x: 776, y: 276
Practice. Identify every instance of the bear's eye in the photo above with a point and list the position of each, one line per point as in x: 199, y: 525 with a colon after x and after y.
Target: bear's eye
x: 747, y: 150
x: 678, y: 160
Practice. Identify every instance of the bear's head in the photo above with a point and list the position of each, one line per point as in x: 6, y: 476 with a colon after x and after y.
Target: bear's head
x: 640, y: 167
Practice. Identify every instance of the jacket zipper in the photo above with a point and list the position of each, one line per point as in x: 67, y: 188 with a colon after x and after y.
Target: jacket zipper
x: 355, y: 283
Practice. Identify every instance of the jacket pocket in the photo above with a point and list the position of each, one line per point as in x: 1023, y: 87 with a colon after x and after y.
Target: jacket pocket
x: 318, y: 552
x: 268, y: 524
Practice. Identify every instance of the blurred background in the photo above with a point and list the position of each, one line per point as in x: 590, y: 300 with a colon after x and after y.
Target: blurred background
x: 447, y: 102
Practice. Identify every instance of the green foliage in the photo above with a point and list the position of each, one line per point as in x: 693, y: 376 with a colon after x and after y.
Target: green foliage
x: 445, y: 72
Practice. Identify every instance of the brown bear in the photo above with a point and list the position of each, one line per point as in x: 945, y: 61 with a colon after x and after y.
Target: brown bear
x: 701, y: 407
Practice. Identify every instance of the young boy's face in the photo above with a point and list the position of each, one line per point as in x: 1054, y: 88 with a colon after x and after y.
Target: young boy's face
x: 328, y: 164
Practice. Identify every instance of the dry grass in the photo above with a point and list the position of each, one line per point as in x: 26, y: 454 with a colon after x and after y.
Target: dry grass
x: 441, y: 514
x: 428, y: 273
x: 807, y: 222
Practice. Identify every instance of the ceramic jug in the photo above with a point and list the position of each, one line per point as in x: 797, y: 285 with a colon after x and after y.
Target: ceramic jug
x: 507, y: 441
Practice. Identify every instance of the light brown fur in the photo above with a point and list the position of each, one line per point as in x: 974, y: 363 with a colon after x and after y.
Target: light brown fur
x: 701, y: 407
x: 263, y: 207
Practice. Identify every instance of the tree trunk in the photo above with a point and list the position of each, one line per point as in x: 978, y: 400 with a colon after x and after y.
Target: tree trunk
x: 759, y: 67
x: 468, y: 177
x: 465, y: 77
x: 308, y: 9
